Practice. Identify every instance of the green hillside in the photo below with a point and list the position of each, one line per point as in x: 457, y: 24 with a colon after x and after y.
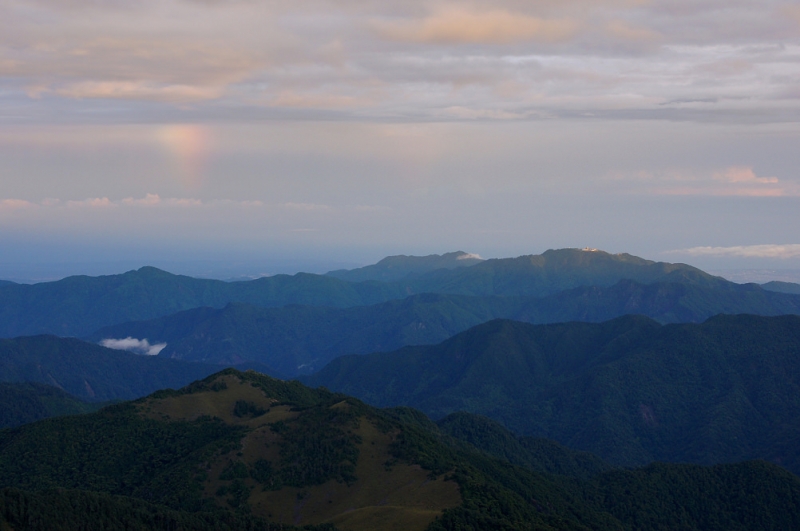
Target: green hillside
x: 22, y: 403
x: 91, y: 372
x: 245, y: 442
x: 238, y: 450
x: 629, y: 390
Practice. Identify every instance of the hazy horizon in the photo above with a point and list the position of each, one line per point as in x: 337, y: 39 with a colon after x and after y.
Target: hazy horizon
x: 320, y: 134
x: 231, y: 270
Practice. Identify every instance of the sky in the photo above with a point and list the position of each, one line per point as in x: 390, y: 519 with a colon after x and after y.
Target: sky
x: 243, y: 137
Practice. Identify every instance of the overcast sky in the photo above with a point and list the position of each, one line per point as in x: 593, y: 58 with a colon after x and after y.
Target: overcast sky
x: 281, y: 135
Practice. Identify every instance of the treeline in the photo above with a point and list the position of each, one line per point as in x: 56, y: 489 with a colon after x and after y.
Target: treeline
x: 71, y: 510
x: 21, y: 403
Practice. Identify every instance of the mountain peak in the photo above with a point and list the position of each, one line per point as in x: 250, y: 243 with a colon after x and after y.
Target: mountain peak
x: 403, y: 267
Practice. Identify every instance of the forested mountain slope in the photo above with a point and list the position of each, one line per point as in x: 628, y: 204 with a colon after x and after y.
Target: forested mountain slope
x: 244, y: 451
x: 91, y: 372
x: 301, y: 339
x: 22, y: 403
x: 629, y: 390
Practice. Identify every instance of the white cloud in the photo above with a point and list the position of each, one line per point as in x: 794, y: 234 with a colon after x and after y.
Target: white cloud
x: 138, y: 346
x: 744, y: 251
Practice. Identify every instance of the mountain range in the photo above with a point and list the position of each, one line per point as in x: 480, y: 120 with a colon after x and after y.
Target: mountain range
x: 79, y: 306
x: 298, y: 340
x: 402, y: 267
x: 575, y: 389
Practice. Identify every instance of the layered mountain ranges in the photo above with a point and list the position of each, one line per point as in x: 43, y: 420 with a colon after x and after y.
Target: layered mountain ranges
x: 298, y: 340
x: 513, y: 390
x: 630, y: 390
x: 79, y: 306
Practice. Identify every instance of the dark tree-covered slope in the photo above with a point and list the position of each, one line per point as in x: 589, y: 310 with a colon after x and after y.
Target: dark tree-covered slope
x: 629, y: 390
x: 689, y: 497
x: 21, y: 403
x: 665, y: 302
x: 236, y: 449
x: 300, y: 339
x: 70, y: 510
x: 535, y: 453
x: 245, y: 442
x: 91, y: 372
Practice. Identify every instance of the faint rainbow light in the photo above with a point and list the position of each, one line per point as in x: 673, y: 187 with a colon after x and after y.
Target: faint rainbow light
x: 190, y: 148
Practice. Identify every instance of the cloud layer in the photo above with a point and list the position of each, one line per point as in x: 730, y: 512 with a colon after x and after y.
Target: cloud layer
x: 137, y: 346
x: 411, y: 127
x: 419, y: 60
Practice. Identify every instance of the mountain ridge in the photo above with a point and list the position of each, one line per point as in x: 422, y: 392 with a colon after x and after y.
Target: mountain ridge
x: 629, y: 390
x: 78, y: 306
x: 404, y: 267
x: 301, y: 339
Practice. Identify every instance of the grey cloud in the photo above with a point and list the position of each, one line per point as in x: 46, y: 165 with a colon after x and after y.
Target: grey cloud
x: 427, y: 60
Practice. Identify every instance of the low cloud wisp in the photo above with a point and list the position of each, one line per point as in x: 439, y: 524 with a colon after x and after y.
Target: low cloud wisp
x: 137, y: 346
x: 745, y: 251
